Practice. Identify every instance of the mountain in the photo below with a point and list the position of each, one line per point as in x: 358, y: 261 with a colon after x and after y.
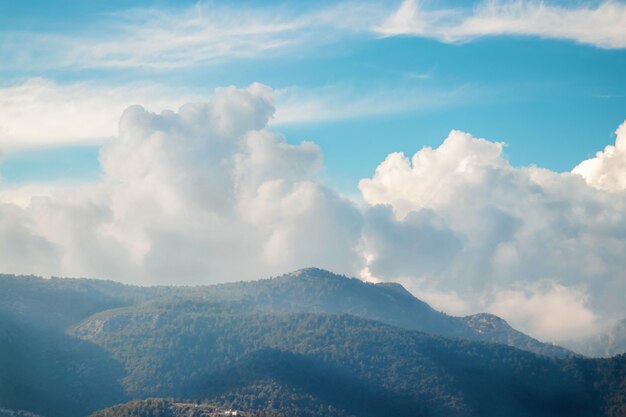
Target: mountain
x: 310, y: 343
x: 493, y: 329
x: 59, y: 302
x: 315, y: 290
x: 358, y: 367
x: 43, y: 369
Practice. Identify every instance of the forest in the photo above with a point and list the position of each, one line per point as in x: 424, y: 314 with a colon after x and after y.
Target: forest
x: 309, y: 343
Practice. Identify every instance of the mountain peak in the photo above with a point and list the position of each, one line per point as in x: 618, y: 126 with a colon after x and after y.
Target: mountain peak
x: 311, y: 270
x: 391, y: 303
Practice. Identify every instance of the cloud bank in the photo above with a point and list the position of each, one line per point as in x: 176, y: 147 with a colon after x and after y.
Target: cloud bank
x: 602, y: 25
x: 209, y: 194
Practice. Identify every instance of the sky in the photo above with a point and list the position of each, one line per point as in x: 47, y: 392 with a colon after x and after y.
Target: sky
x: 161, y: 142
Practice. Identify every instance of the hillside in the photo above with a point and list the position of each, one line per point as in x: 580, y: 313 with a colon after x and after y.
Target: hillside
x: 361, y: 367
x: 62, y: 302
x: 309, y: 343
x: 358, y: 367
x: 316, y: 290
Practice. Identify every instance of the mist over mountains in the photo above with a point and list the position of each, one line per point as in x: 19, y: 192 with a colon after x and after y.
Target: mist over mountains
x: 610, y: 341
x: 308, y: 343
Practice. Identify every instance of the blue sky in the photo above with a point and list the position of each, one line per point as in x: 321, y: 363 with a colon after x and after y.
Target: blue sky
x: 555, y: 101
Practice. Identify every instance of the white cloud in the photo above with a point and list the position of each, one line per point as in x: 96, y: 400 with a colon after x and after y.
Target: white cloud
x: 547, y: 310
x: 20, y: 242
x: 428, y: 179
x: 331, y: 103
x: 602, y: 25
x: 606, y: 171
x: 505, y: 226
x: 183, y: 37
x: 449, y: 301
x: 203, y: 194
x: 209, y: 194
x: 37, y: 112
x: 419, y: 243
x: 209, y: 33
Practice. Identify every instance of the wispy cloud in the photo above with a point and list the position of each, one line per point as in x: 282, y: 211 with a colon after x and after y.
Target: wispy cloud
x: 42, y: 112
x: 212, y: 32
x: 205, y: 33
x: 602, y: 25
x: 331, y: 103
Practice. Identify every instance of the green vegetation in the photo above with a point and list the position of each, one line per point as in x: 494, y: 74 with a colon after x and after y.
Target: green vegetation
x: 359, y: 367
x: 281, y: 347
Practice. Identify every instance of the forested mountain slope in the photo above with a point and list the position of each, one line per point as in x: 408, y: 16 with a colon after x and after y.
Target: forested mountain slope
x: 65, y: 301
x: 309, y: 343
x: 357, y: 366
x: 316, y: 290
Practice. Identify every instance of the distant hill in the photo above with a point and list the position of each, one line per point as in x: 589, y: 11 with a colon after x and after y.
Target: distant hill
x: 316, y: 290
x: 66, y: 301
x: 357, y: 366
x: 310, y: 343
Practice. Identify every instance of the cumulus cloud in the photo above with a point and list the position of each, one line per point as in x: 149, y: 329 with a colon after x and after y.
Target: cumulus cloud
x: 208, y: 194
x: 419, y: 243
x: 606, y: 171
x: 602, y: 25
x: 514, y: 227
x: 198, y: 195
x: 20, y: 242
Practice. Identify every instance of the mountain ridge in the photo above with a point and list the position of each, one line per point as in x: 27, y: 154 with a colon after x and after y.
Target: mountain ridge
x: 310, y: 343
x: 410, y: 312
x: 314, y: 290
